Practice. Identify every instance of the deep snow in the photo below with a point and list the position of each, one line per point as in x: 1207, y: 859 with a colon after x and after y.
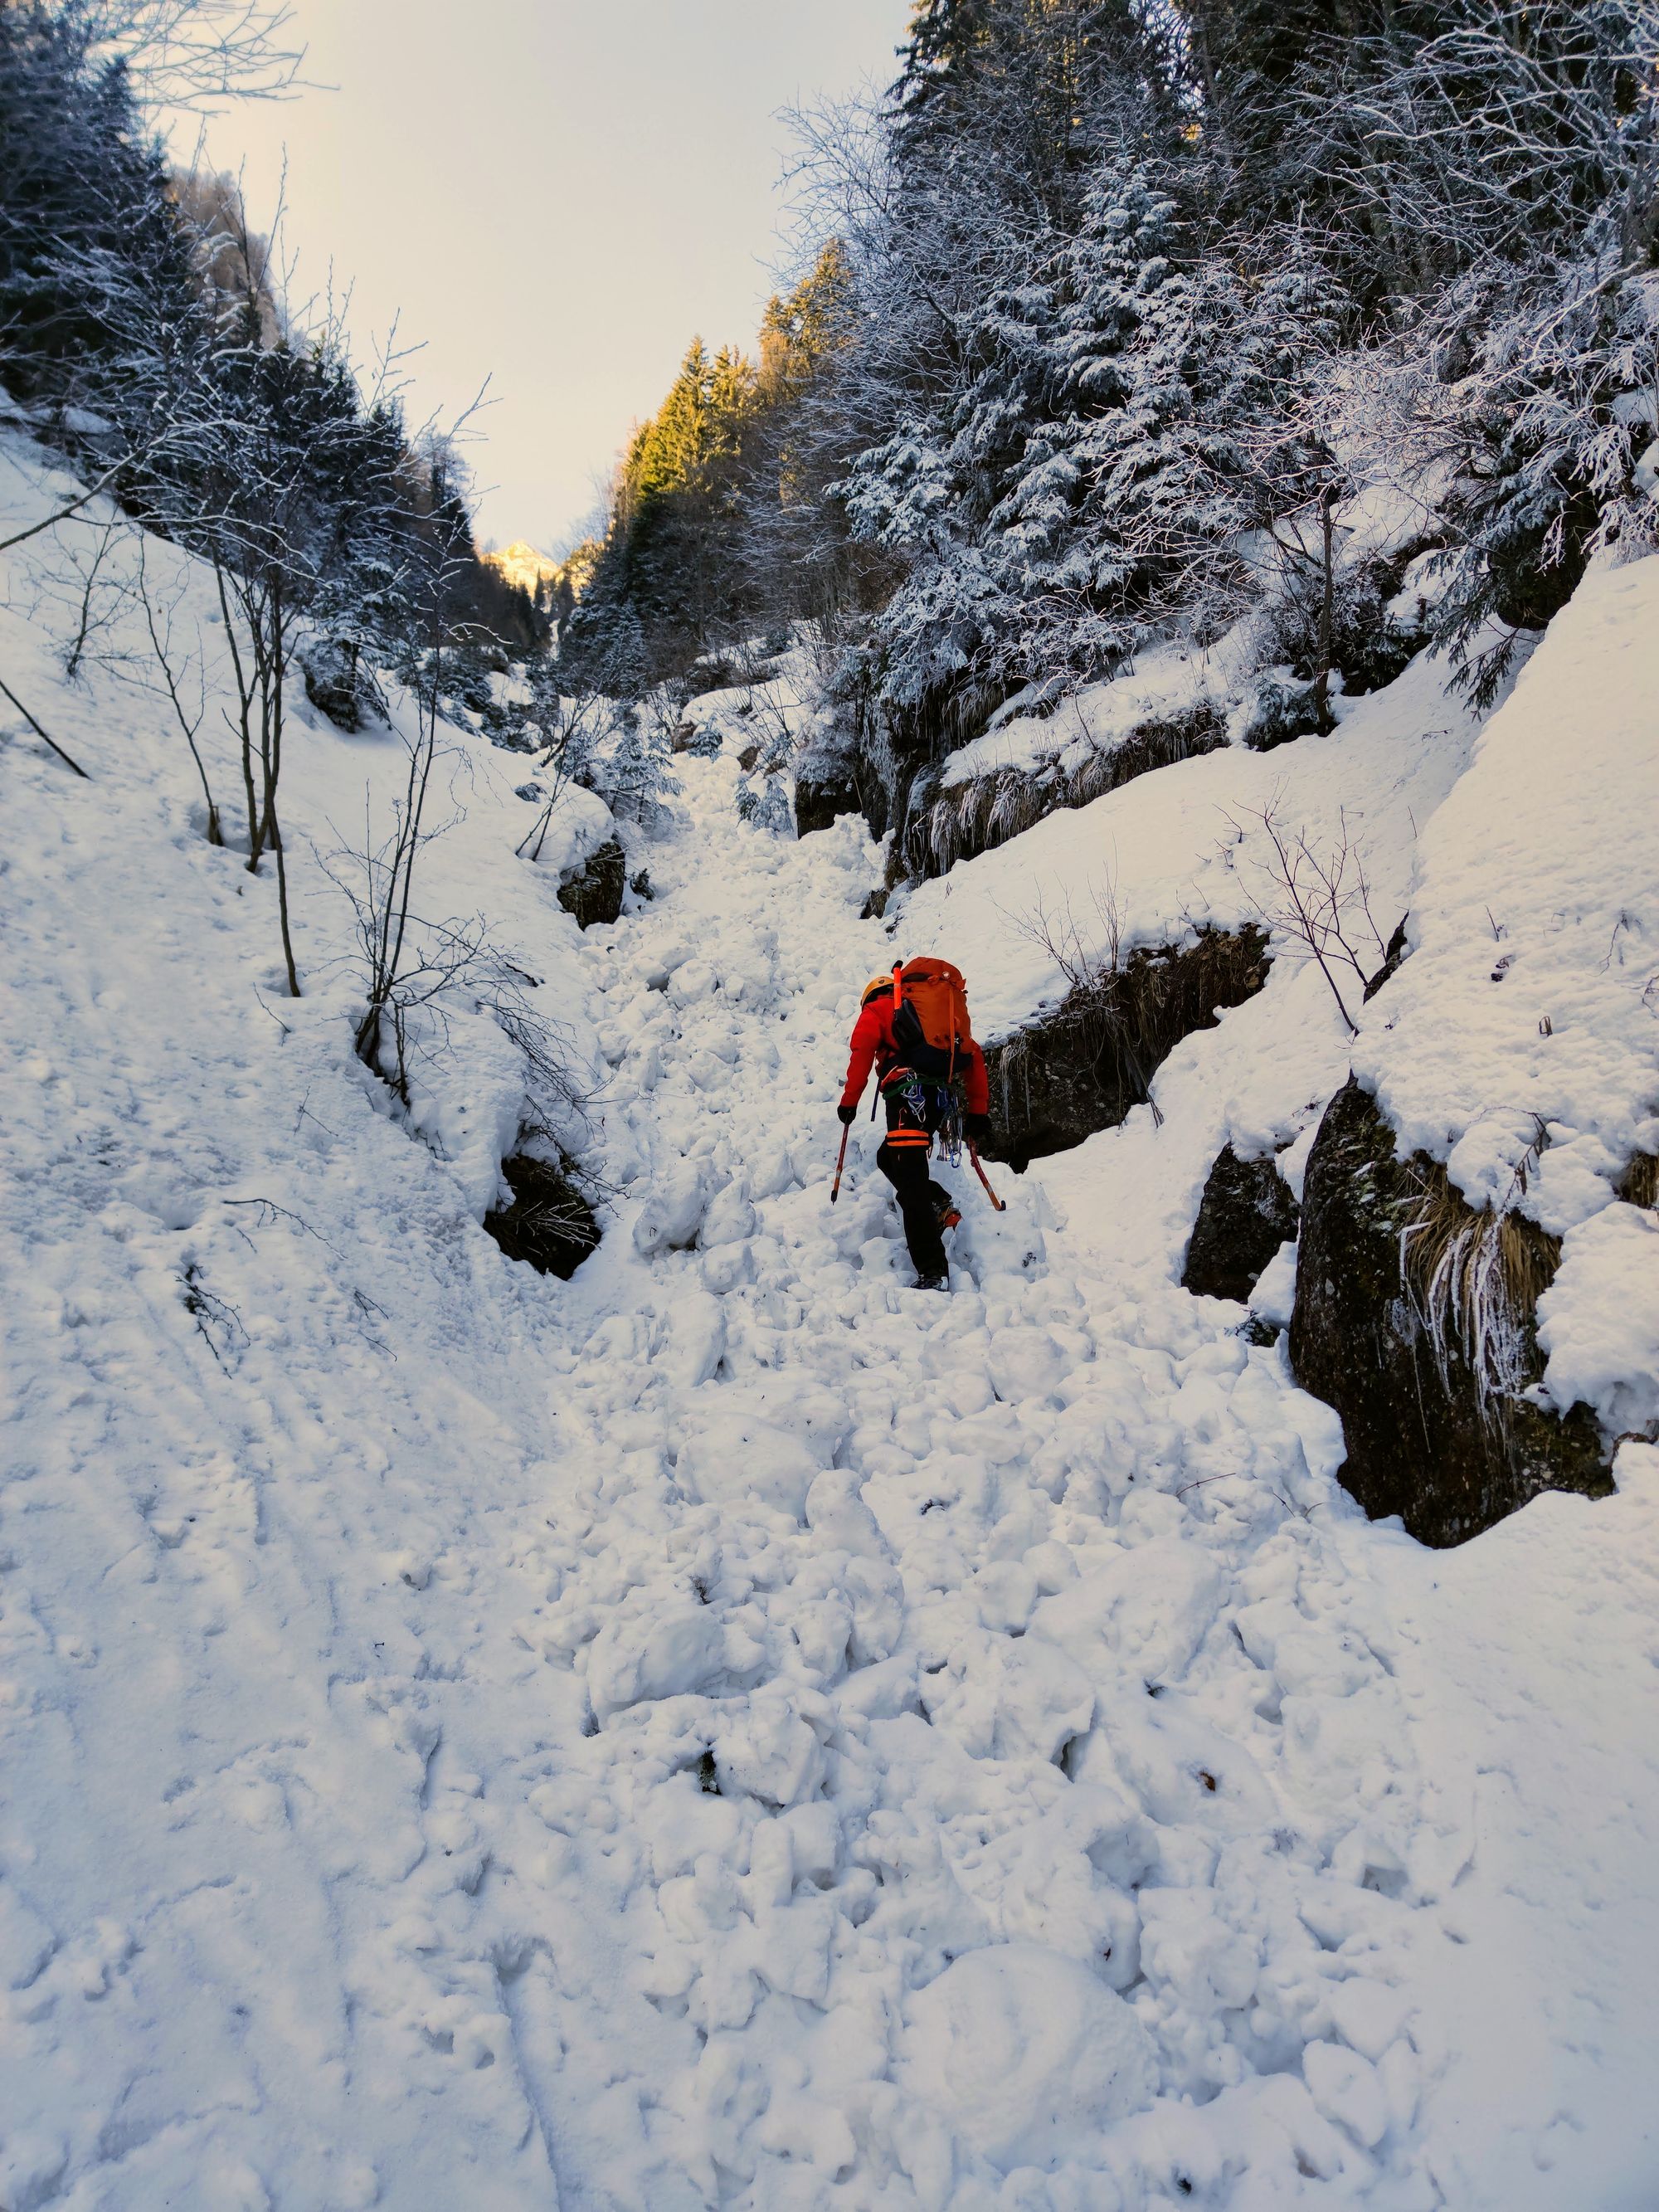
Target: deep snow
x: 731, y: 1730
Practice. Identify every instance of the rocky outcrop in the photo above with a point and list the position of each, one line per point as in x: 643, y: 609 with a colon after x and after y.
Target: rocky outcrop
x: 960, y: 820
x: 339, y: 684
x: 593, y: 891
x: 1415, y: 1319
x: 821, y: 799
x: 547, y: 1224
x: 1246, y: 1213
x: 1393, y: 958
x: 1082, y: 1067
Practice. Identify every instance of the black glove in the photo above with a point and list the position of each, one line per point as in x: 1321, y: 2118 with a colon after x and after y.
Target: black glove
x: 847, y: 1115
x: 976, y: 1128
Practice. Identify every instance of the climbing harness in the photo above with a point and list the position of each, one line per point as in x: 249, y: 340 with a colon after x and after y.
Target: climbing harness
x: 932, y: 1106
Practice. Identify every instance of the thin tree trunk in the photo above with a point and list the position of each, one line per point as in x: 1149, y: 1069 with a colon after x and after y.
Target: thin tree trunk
x: 1327, y: 606
x: 245, y: 705
x: 273, y: 770
x: 215, y: 834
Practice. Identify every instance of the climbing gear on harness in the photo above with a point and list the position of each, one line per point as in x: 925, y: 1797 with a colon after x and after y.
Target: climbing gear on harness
x: 841, y: 1162
x: 972, y: 1154
x: 932, y: 1107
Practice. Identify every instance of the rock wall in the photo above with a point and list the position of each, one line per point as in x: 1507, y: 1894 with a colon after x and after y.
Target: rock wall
x: 1424, y: 1439
x: 1081, y: 1068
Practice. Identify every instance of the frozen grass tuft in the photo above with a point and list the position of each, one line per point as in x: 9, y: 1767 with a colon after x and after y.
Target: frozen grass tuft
x: 1474, y: 1280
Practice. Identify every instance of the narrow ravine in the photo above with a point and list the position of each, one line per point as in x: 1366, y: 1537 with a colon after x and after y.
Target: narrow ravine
x: 990, y: 1788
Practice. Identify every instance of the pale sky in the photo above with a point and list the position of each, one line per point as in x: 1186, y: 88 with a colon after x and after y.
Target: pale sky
x: 556, y: 194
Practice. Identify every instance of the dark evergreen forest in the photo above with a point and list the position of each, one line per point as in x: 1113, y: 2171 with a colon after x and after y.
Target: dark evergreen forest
x: 143, y: 329
x: 1108, y: 305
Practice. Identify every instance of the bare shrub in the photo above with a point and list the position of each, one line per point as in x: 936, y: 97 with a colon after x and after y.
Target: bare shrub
x: 569, y: 727
x: 1108, y: 1024
x: 416, y: 969
x: 1317, y: 898
x: 95, y: 596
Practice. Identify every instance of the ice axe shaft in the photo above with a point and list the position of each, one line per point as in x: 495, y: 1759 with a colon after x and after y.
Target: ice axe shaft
x: 841, y: 1162
x: 972, y: 1154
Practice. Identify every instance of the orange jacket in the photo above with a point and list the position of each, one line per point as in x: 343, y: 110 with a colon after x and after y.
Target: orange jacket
x: 873, y: 1047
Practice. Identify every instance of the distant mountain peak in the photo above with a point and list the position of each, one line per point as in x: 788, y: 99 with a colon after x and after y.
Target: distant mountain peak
x: 523, y: 565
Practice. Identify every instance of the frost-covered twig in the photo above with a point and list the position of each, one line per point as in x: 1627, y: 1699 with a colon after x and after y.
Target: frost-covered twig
x: 203, y: 1305
x: 101, y: 483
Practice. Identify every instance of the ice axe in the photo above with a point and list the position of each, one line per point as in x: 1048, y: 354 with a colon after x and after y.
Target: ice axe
x: 841, y: 1162
x: 972, y: 1154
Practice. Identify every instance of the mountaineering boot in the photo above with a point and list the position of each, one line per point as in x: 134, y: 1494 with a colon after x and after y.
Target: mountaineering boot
x: 932, y: 1282
x: 949, y: 1218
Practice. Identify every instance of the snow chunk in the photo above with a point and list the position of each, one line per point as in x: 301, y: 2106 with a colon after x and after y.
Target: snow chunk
x: 1347, y: 2089
x: 679, y: 1648
x: 1148, y: 1611
x: 1026, y: 1363
x: 770, y: 1754
x: 732, y: 1458
x: 696, y: 1341
x: 673, y: 1213
x: 1598, y: 1320
x: 1028, y: 2055
x: 1369, y: 2015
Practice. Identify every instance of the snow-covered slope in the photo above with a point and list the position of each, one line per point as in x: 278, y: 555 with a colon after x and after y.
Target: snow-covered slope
x: 1518, y: 1042
x: 731, y: 1730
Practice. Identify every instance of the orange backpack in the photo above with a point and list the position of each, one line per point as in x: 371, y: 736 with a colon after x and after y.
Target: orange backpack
x: 930, y: 1017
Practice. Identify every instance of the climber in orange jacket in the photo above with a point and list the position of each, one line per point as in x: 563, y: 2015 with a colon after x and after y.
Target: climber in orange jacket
x: 913, y: 1029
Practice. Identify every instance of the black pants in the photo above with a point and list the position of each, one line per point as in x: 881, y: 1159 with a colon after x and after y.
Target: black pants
x: 922, y: 1200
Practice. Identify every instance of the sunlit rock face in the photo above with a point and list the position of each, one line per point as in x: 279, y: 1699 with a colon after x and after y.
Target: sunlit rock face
x: 522, y: 566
